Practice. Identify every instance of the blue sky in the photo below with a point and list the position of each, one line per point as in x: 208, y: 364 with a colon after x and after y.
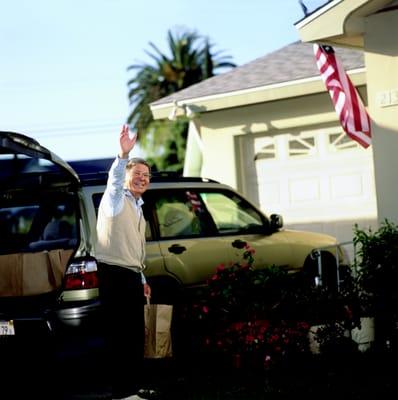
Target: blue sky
x: 63, y: 69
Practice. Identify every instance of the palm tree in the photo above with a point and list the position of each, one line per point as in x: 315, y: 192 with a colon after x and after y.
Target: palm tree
x: 191, y: 61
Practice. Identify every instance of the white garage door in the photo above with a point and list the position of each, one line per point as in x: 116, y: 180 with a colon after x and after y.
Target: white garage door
x: 316, y: 178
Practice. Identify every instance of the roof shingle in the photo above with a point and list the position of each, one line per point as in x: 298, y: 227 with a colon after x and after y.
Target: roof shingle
x: 292, y: 62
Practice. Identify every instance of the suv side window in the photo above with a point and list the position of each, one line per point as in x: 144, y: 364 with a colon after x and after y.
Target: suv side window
x: 231, y: 214
x: 180, y: 214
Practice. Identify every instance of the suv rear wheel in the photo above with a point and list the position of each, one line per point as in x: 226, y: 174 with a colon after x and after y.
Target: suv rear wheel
x: 320, y: 269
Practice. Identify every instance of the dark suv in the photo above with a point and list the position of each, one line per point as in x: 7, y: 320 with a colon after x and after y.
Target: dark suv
x: 48, y: 270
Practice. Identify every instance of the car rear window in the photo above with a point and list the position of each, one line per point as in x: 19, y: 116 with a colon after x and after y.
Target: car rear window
x: 33, y: 222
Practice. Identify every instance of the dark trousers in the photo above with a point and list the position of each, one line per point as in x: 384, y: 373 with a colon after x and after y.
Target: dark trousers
x: 122, y: 298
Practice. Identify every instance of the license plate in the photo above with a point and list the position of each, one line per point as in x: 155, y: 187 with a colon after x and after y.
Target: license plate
x: 7, y: 328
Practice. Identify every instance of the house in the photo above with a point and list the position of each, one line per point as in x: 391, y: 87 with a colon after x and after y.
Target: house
x: 372, y: 27
x: 269, y: 129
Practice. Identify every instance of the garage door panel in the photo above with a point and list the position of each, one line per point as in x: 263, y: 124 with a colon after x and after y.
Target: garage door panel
x: 270, y: 193
x: 345, y: 186
x: 304, y: 190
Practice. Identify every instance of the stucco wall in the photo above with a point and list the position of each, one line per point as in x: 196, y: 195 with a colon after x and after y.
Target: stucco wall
x: 381, y: 51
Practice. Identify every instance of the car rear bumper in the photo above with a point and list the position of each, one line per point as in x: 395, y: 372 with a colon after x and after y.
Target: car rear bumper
x: 79, y: 315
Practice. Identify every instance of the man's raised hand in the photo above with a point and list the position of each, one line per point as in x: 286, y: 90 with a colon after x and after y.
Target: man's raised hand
x: 126, y: 142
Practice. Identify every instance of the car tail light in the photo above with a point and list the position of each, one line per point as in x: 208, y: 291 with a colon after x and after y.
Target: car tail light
x: 81, y: 274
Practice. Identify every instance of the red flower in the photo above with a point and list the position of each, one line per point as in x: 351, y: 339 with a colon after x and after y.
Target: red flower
x: 220, y: 268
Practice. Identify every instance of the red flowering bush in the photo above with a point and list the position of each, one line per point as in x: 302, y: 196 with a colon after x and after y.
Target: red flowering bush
x: 262, y: 315
x: 240, y: 313
x: 241, y: 292
x: 286, y: 338
x: 261, y: 343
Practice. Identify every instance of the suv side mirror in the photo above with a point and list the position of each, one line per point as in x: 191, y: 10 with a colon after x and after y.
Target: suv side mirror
x: 276, y: 222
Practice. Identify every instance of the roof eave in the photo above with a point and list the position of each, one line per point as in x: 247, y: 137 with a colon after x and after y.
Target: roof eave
x: 274, y: 92
x: 339, y: 22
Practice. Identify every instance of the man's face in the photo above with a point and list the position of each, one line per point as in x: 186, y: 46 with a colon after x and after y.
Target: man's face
x: 138, y: 178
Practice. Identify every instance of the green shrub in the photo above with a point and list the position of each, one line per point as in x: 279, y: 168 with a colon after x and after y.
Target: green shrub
x: 377, y: 276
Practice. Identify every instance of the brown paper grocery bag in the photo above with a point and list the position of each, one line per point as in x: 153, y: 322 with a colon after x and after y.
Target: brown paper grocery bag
x: 157, y: 330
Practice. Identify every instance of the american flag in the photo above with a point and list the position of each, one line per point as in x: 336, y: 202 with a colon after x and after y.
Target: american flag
x: 349, y: 107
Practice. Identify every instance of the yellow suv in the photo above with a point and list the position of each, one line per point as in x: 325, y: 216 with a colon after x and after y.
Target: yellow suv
x: 196, y: 224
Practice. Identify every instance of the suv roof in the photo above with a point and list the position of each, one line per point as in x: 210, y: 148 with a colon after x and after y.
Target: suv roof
x: 100, y: 177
